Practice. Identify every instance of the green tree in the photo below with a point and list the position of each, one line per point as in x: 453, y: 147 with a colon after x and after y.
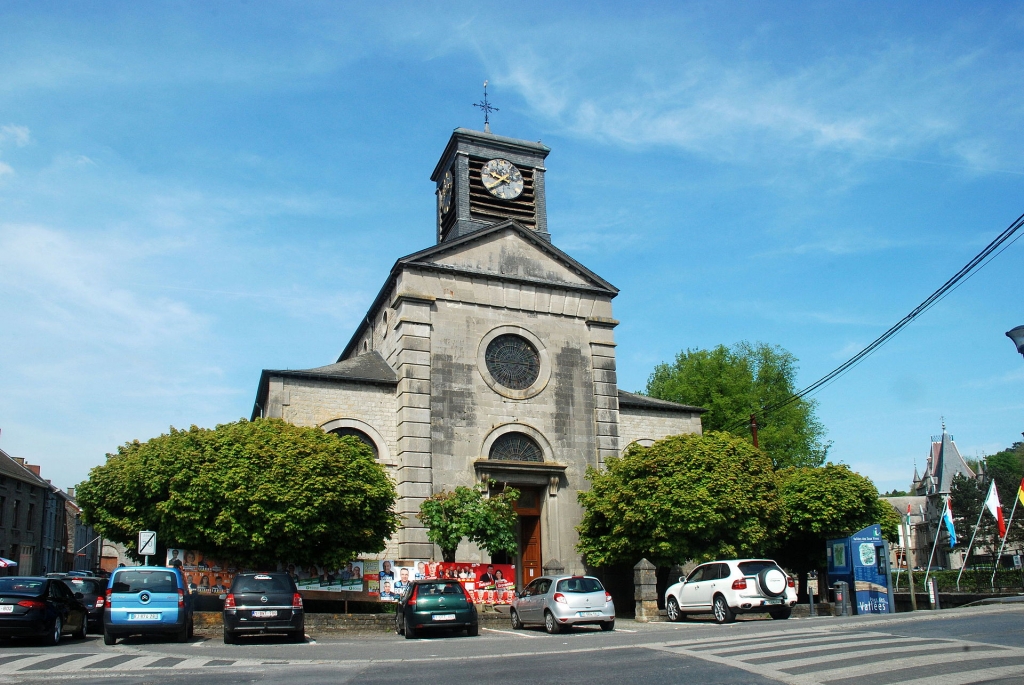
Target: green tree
x: 468, y: 513
x: 733, y: 383
x: 685, y: 497
x: 1006, y: 468
x: 252, y: 492
x: 825, y: 502
x: 968, y: 500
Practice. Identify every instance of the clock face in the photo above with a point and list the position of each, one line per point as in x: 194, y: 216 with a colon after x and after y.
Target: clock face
x: 444, y: 193
x: 502, y: 179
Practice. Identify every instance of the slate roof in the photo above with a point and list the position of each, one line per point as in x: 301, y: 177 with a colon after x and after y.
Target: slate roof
x: 9, y: 467
x: 944, y: 462
x: 365, y: 368
x: 918, y: 507
x: 629, y: 399
x: 421, y: 259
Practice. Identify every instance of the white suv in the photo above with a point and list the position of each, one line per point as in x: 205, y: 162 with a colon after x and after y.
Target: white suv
x: 726, y: 588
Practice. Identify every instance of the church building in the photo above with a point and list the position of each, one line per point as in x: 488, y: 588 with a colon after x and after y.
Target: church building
x: 488, y: 357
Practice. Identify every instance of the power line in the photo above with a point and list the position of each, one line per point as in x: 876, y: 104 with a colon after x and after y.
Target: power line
x: 978, y: 262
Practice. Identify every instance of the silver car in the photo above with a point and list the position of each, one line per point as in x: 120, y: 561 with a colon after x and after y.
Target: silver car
x: 560, y: 602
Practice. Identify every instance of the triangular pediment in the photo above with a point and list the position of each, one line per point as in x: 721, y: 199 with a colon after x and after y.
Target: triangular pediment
x: 512, y: 251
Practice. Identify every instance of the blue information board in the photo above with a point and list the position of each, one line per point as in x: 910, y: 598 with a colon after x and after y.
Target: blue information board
x: 862, y: 561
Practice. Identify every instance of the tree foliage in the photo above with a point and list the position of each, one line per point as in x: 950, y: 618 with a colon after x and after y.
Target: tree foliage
x: 825, y: 502
x: 251, y: 492
x: 452, y: 516
x: 733, y: 383
x: 685, y: 497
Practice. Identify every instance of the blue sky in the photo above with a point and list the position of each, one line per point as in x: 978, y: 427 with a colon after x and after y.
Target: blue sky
x: 192, y: 192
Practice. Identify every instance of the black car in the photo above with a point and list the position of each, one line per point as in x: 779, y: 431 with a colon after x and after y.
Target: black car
x: 40, y: 607
x: 263, y: 603
x: 435, y: 604
x: 93, y: 596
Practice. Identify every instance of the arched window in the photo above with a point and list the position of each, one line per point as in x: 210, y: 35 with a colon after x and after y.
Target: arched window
x: 516, y: 447
x: 363, y: 437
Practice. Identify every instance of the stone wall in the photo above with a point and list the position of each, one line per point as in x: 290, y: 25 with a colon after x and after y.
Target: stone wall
x: 645, y: 425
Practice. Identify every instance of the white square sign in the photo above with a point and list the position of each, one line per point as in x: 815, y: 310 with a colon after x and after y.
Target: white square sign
x: 147, y: 543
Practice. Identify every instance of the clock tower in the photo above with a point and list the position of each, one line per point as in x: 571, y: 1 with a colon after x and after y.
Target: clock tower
x: 483, y: 179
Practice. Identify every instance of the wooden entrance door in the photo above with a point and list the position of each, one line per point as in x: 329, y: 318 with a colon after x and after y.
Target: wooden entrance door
x: 530, y: 551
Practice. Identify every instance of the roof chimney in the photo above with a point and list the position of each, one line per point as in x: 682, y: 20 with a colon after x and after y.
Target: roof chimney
x: 20, y: 460
x: 71, y: 493
x: 33, y: 468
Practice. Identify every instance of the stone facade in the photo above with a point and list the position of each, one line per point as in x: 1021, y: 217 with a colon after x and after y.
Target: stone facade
x: 417, y: 377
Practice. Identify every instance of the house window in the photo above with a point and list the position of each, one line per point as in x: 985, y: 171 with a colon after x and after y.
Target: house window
x: 28, y: 523
x: 17, y: 505
x: 3, y: 506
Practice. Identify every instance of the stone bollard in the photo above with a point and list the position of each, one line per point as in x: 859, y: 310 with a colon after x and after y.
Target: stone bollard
x: 554, y: 568
x: 645, y: 591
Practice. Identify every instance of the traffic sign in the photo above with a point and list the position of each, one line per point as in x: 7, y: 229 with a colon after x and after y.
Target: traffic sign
x: 147, y: 543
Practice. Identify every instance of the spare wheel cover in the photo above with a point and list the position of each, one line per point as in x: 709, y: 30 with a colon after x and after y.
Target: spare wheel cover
x: 773, y: 581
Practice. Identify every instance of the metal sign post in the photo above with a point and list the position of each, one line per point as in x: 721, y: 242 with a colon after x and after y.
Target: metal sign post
x: 147, y: 544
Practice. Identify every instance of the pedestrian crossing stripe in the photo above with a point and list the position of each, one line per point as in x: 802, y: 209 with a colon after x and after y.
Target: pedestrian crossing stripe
x: 851, y: 658
x: 26, y: 664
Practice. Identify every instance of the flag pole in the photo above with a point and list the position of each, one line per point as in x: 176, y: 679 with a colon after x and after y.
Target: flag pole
x: 910, y: 566
x: 995, y: 566
x: 970, y: 545
x: 938, y: 529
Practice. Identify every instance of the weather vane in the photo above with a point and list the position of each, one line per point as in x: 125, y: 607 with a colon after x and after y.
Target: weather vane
x: 486, y: 108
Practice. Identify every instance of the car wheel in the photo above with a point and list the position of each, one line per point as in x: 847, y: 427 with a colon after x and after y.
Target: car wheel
x: 298, y: 636
x: 191, y: 628
x: 182, y: 635
x: 517, y: 623
x: 550, y: 624
x: 608, y: 625
x: 53, y: 637
x: 723, y: 614
x: 781, y: 614
x: 109, y: 639
x: 473, y: 630
x: 83, y: 630
x: 672, y: 609
x: 229, y: 637
x: 410, y: 632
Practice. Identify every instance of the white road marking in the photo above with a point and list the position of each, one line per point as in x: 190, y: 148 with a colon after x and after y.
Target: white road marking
x: 509, y: 632
x: 623, y: 630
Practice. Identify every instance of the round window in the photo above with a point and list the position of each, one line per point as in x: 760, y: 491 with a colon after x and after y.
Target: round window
x: 363, y: 437
x: 513, y: 361
x: 516, y: 447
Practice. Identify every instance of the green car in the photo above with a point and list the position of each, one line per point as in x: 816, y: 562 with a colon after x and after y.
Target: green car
x: 433, y: 604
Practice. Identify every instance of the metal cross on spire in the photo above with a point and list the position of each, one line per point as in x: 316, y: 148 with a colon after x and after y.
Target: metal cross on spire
x: 486, y: 108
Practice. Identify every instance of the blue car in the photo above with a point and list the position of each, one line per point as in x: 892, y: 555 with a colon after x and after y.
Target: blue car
x: 147, y: 600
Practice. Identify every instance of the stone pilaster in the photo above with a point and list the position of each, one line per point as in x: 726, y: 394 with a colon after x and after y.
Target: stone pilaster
x: 415, y: 483
x: 606, y: 388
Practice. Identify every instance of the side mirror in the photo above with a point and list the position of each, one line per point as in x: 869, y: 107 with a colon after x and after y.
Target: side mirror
x: 79, y: 595
x: 682, y: 579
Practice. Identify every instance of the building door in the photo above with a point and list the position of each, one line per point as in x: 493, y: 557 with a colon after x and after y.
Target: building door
x: 530, y: 552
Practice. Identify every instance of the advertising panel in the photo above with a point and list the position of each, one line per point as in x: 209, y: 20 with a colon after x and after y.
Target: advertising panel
x: 484, y: 583
x: 203, y: 574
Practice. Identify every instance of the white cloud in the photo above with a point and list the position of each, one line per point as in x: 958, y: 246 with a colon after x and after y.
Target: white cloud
x: 5, y: 169
x: 18, y: 134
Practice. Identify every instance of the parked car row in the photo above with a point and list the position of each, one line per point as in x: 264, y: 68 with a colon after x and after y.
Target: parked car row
x: 148, y: 600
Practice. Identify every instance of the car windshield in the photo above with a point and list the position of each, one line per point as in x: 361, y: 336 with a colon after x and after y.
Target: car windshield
x: 21, y: 586
x: 137, y: 581
x: 261, y: 584
x: 579, y: 585
x: 86, y: 587
x: 752, y: 568
x: 440, y: 589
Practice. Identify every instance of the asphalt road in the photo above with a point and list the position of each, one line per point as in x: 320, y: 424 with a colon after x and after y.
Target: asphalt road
x: 980, y: 645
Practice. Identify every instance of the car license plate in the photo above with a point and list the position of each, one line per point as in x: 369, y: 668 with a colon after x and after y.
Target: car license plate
x: 773, y: 601
x: 443, y: 617
x: 143, y: 617
x: 264, y: 614
x: 6, y: 608
x: 590, y: 613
